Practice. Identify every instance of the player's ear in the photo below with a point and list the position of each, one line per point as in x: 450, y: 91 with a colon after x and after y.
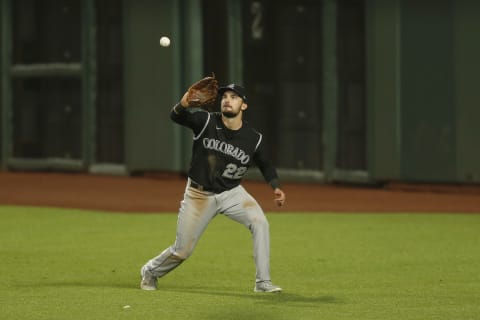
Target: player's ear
x: 244, y: 106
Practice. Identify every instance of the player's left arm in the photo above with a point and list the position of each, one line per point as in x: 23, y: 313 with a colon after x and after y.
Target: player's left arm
x: 269, y: 174
x: 196, y: 120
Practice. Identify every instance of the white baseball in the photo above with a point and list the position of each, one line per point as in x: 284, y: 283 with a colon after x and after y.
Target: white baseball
x: 164, y: 41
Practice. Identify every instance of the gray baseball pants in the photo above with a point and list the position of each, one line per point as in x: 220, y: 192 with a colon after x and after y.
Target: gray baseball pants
x: 196, y: 211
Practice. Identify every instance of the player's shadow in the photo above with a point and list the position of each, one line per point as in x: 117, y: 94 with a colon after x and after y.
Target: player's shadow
x: 291, y: 299
x: 288, y: 298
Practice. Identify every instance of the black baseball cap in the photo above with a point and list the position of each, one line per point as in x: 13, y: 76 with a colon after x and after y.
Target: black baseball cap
x: 236, y: 88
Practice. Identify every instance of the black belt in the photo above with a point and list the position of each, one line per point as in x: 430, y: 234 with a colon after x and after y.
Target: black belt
x: 197, y: 186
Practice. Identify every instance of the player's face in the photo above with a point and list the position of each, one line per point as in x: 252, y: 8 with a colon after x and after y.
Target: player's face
x: 231, y: 104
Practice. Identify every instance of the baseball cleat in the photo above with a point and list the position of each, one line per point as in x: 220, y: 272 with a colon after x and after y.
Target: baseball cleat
x: 266, y: 286
x: 149, y: 281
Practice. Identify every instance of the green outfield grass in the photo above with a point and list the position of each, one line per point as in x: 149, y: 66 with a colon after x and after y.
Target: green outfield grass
x: 73, y: 264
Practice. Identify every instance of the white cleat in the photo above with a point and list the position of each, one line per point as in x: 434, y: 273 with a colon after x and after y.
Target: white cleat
x: 149, y: 281
x: 266, y: 286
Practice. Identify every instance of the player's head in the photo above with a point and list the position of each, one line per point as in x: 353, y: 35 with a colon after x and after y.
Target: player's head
x: 233, y: 100
x: 239, y: 90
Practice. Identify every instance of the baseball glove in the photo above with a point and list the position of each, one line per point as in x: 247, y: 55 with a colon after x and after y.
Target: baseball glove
x: 202, y: 93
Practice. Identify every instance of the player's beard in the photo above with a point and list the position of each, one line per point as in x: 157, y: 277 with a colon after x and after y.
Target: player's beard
x: 230, y: 114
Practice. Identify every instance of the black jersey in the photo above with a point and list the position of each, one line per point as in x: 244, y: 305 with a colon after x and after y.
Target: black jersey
x: 220, y: 156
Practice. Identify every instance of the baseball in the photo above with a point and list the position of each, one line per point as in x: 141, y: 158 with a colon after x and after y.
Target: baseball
x: 164, y: 41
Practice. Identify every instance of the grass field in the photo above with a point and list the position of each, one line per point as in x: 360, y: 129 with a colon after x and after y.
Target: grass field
x: 73, y: 264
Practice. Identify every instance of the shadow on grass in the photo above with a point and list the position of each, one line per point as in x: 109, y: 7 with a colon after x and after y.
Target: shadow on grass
x: 287, y: 298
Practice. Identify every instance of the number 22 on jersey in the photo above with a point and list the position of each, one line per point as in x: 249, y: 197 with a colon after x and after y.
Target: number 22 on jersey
x: 232, y: 171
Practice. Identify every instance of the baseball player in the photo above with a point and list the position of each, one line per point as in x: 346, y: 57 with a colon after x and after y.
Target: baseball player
x: 224, y: 147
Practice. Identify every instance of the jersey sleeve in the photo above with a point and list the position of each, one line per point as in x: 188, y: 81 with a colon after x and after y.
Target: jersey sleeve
x: 266, y: 168
x: 193, y: 119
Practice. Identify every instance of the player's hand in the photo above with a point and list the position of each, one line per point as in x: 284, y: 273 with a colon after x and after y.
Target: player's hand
x: 183, y: 101
x: 279, y: 197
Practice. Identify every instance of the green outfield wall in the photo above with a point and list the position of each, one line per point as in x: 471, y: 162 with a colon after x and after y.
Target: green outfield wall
x: 422, y: 97
x: 359, y: 91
